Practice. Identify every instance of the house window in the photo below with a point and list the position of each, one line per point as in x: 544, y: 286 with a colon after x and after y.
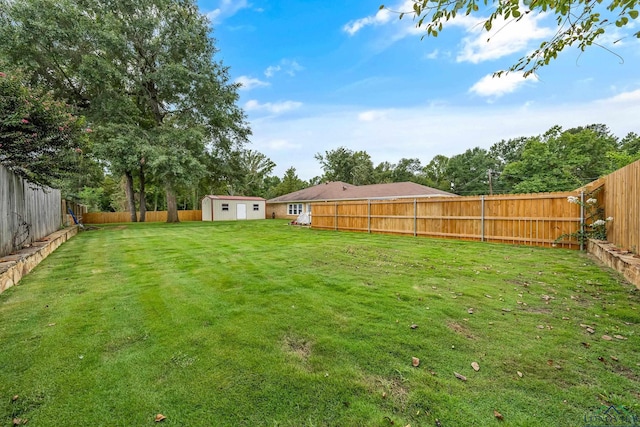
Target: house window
x: 256, y: 207
x: 295, y: 208
x: 225, y: 206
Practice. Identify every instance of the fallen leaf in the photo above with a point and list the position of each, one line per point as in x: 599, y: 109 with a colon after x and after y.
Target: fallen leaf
x: 14, y: 398
x: 498, y: 415
x: 520, y: 374
x: 550, y: 362
x: 606, y: 338
x: 620, y: 337
x: 415, y: 362
x: 614, y: 358
x: 475, y: 366
x: 438, y: 424
x: 51, y: 324
x: 160, y: 417
x: 586, y: 344
x: 583, y: 325
x: 488, y: 296
x: 506, y: 310
x: 565, y: 318
x: 459, y: 376
x: 470, y: 311
x: 414, y: 326
x: 384, y: 395
x: 540, y: 326
x: 600, y: 358
x: 591, y: 330
x: 20, y: 421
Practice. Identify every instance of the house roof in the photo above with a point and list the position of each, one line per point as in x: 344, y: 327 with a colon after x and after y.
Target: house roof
x: 342, y: 191
x: 223, y: 197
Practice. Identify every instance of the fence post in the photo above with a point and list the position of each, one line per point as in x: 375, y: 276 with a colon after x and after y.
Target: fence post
x: 335, y: 218
x: 369, y: 216
x: 582, y: 224
x: 482, y: 218
x: 415, y: 217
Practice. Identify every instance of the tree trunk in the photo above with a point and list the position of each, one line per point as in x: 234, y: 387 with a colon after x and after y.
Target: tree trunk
x: 172, y: 205
x: 143, y: 197
x: 131, y: 199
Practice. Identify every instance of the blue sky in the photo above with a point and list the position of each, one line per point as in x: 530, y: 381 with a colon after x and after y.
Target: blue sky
x: 318, y: 75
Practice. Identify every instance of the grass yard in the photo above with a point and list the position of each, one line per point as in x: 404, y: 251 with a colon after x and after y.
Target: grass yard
x: 263, y: 324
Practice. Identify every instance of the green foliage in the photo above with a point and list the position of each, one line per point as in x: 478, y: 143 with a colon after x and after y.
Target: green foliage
x: 469, y: 172
x: 290, y: 183
x: 142, y: 72
x: 347, y: 166
x: 580, y: 23
x: 594, y: 225
x: 41, y: 138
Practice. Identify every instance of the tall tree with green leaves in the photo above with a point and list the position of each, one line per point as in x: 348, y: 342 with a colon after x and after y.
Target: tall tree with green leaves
x: 343, y: 164
x: 470, y: 172
x: 146, y: 68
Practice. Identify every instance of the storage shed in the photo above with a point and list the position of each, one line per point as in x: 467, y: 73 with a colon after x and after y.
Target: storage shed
x: 231, y: 208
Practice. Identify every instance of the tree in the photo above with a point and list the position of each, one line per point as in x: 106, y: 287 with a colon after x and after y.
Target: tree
x: 580, y: 22
x: 290, y: 183
x: 146, y: 67
x: 40, y: 137
x: 562, y: 160
x: 436, y: 173
x: 469, y: 172
x: 347, y: 166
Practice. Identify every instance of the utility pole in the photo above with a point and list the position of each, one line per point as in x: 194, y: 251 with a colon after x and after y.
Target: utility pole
x: 490, y: 173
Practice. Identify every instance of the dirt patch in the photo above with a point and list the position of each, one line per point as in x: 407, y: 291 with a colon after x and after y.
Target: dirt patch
x: 394, y: 389
x: 297, y: 346
x: 461, y: 330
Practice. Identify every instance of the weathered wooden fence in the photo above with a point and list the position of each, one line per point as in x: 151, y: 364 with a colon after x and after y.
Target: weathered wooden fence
x: 621, y: 195
x: 528, y: 219
x: 151, y: 216
x: 27, y: 212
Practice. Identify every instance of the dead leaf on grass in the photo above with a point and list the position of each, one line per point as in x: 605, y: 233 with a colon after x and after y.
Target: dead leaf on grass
x: 460, y: 376
x: 414, y: 326
x: 20, y: 421
x: 475, y: 366
x: 606, y: 338
x: 620, y: 337
x: 614, y: 358
x: 415, y: 362
x: 586, y: 344
x: 520, y: 374
x: 159, y: 418
x: 470, y: 311
x: 14, y: 398
x: 498, y: 415
x: 591, y: 330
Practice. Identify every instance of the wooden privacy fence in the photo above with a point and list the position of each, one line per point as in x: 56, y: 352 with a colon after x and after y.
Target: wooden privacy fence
x: 528, y: 219
x: 621, y: 195
x: 151, y: 216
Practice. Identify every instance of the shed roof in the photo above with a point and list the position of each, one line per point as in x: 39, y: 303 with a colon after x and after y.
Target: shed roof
x: 338, y: 190
x: 223, y: 197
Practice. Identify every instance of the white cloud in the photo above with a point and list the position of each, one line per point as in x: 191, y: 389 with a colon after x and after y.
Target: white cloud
x: 275, y: 108
x: 490, y: 86
x: 381, y: 17
x: 371, y: 115
x: 287, y: 66
x: 429, y: 130
x: 433, y: 55
x: 505, y: 37
x: 249, y: 83
x: 632, y: 98
x: 282, y: 144
x: 226, y: 9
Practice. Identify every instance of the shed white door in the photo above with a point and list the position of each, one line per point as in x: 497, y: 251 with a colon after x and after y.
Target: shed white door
x: 241, y: 211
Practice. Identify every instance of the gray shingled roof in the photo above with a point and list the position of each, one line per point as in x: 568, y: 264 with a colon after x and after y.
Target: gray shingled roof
x: 342, y: 191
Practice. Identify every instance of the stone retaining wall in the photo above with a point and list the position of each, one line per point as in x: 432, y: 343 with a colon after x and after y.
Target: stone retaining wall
x: 13, y: 267
x: 627, y: 263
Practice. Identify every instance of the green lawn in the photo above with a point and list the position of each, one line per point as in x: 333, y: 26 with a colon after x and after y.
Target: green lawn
x: 263, y: 324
